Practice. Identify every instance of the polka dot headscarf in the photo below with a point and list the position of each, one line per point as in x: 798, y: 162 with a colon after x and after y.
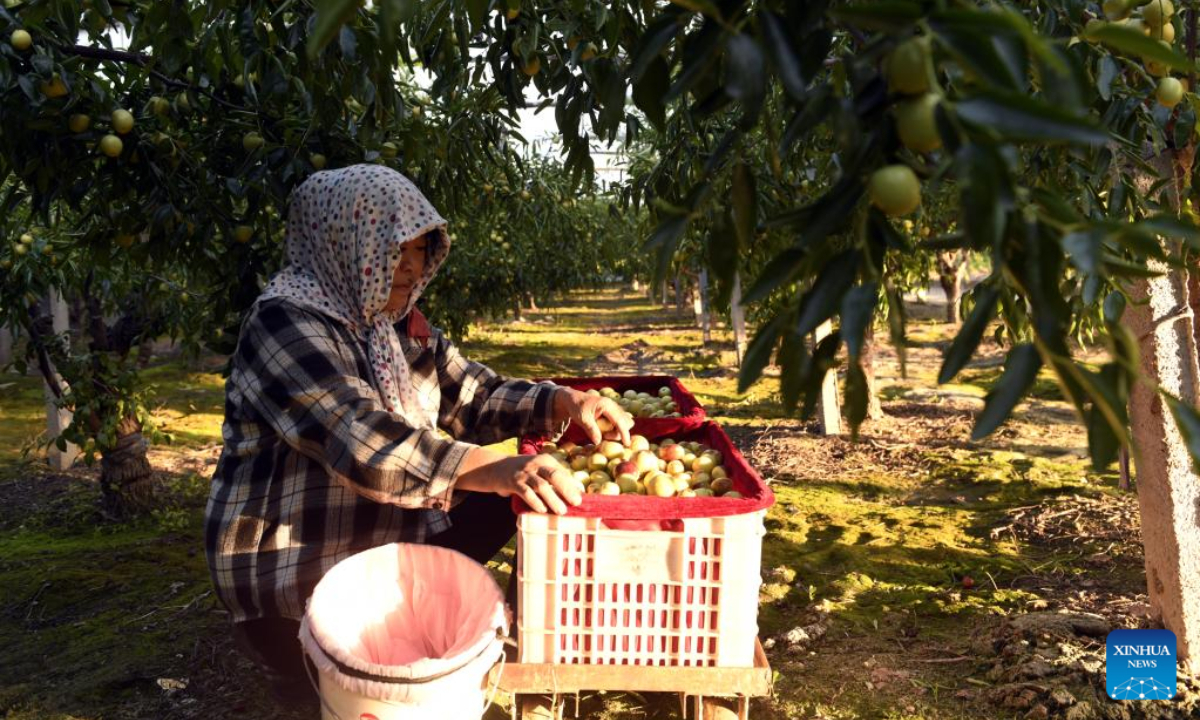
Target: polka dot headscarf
x: 345, y: 229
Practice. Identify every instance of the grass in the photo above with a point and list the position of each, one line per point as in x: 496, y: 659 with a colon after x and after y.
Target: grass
x: 22, y: 416
x: 186, y: 403
x: 94, y: 615
x: 93, y: 611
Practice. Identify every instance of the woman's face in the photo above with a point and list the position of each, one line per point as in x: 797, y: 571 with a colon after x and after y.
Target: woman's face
x: 408, y: 272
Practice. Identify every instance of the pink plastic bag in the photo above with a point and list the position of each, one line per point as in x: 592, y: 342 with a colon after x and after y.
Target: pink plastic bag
x: 413, y: 627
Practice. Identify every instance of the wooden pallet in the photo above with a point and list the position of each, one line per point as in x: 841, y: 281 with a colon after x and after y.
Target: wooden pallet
x: 706, y: 693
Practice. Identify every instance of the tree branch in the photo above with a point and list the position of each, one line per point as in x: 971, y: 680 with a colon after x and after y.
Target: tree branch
x: 95, y: 53
x: 98, y: 329
x: 32, y: 326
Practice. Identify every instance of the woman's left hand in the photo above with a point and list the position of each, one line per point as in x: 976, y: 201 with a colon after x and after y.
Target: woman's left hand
x: 600, y: 418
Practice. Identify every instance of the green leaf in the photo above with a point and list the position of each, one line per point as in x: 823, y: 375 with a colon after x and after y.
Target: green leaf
x: 792, y: 359
x: 1020, y: 370
x: 880, y: 230
x: 1188, y: 422
x: 477, y: 12
x: 885, y: 16
x: 668, y: 232
x: 781, y: 48
x: 1103, y: 443
x: 722, y: 251
x: 1185, y: 124
x: 649, y: 91
x: 1052, y: 55
x: 979, y: 44
x: 858, y: 311
x: 745, y: 73
x: 1137, y: 45
x: 43, y: 65
x: 1055, y: 207
x: 745, y: 205
x: 651, y: 44
x: 1108, y: 416
x: 814, y: 112
x: 726, y: 143
x: 1170, y: 226
x: 1020, y: 117
x: 970, y: 334
x: 330, y: 16
x: 1108, y: 72
x: 1040, y: 269
x: 1114, y: 306
x: 28, y: 84
x: 1117, y: 197
x: 347, y: 43
x: 758, y: 353
x: 824, y: 359
x: 1142, y: 242
x: 700, y: 52
x: 1083, y: 249
x: 987, y: 196
x: 857, y: 395
x: 1119, y: 267
x: 819, y: 303
x: 779, y: 270
x: 828, y: 213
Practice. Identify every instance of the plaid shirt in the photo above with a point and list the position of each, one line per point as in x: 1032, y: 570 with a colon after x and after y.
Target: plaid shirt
x: 314, y: 470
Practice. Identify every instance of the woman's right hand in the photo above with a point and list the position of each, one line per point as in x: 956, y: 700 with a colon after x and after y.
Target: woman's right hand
x: 539, y: 480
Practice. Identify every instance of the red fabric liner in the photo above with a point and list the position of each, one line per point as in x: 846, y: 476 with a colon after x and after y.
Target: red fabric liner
x: 690, y: 409
x: 757, y: 496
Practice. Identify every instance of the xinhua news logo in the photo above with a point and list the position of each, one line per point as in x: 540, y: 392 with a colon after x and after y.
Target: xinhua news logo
x: 1141, y: 665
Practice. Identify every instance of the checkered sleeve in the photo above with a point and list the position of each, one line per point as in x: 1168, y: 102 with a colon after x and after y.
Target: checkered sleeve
x: 293, y: 373
x: 480, y: 406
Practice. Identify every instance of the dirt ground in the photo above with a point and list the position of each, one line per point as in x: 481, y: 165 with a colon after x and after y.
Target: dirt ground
x: 908, y: 573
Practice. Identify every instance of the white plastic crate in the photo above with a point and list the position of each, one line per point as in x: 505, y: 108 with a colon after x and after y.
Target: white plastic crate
x: 590, y: 594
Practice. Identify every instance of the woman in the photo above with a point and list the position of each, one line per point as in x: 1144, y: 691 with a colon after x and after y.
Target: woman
x: 333, y: 412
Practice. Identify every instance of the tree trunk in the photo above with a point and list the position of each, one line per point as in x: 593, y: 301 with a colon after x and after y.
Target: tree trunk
x: 126, y: 478
x: 678, y: 293
x: 829, y: 413
x: 1193, y: 293
x: 517, y: 310
x: 529, y: 300
x: 635, y: 286
x: 738, y: 318
x: 79, y: 328
x: 663, y: 295
x: 705, y: 314
x: 952, y: 276
x: 6, y: 345
x: 874, y: 406
x: 1168, y: 489
x: 1167, y: 486
x: 953, y: 299
x: 58, y: 419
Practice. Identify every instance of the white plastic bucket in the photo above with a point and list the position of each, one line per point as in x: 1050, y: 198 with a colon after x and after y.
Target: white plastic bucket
x: 405, y: 632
